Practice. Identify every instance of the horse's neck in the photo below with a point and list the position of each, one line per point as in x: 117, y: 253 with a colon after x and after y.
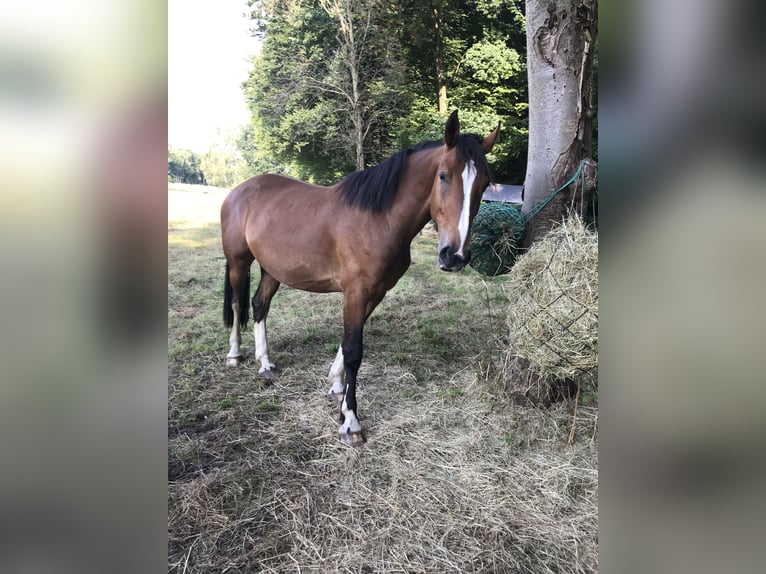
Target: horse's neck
x: 411, y: 209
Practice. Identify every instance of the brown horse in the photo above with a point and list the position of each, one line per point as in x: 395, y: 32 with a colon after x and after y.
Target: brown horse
x: 352, y: 237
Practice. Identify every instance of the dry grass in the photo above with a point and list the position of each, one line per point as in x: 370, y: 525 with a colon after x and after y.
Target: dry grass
x: 553, y: 316
x: 444, y: 484
x: 453, y: 477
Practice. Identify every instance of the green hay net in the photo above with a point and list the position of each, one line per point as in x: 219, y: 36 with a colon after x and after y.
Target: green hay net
x: 497, y: 232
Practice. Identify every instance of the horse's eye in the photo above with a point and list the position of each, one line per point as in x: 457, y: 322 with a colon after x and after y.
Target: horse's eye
x: 442, y: 176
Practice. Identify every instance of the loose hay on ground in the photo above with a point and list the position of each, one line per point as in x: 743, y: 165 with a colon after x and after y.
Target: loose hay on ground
x: 444, y: 484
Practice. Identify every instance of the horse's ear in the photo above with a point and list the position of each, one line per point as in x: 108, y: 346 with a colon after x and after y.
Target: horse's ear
x: 489, y: 141
x: 452, y: 130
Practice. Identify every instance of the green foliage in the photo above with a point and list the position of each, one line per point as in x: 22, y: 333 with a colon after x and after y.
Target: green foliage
x: 493, y: 62
x: 255, y: 160
x: 423, y: 123
x: 223, y: 164
x: 301, y: 94
x: 184, y: 166
x: 287, y: 112
x: 299, y: 90
x: 220, y: 168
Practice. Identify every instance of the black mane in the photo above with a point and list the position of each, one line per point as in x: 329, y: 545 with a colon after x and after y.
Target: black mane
x: 469, y: 148
x: 374, y: 188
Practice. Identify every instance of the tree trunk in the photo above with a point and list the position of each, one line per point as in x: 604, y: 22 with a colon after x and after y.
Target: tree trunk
x: 359, y: 137
x: 357, y: 118
x: 347, y: 38
x: 347, y: 28
x: 442, y: 98
x: 439, y: 58
x: 560, y: 39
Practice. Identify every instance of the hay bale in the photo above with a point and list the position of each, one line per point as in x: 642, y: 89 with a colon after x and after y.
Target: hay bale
x: 497, y: 232
x: 554, y: 319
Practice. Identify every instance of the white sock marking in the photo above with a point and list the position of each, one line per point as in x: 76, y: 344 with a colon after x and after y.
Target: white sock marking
x: 234, y: 337
x: 262, y: 347
x: 350, y: 422
x: 337, y: 374
x: 469, y: 174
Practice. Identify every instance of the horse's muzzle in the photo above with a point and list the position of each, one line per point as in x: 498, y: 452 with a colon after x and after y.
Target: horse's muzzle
x: 450, y: 260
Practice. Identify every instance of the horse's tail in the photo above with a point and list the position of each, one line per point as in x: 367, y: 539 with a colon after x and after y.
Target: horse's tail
x: 228, y: 312
x: 228, y: 295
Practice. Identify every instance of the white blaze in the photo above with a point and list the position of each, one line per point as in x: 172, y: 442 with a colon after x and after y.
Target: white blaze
x: 469, y: 174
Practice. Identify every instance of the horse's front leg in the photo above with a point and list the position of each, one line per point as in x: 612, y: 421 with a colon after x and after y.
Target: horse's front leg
x: 354, y: 306
x: 357, y: 308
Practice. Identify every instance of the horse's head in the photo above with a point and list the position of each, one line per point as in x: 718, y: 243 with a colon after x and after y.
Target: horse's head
x: 461, y: 178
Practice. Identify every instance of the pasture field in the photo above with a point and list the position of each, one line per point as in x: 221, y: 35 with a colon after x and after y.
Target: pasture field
x: 453, y: 476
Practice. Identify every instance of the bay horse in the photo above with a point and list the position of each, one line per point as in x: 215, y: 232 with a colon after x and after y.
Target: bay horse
x: 353, y: 237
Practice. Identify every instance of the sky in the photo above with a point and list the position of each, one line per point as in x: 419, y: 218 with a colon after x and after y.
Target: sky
x: 209, y: 49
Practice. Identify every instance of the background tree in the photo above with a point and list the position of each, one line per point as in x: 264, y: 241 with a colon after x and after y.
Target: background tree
x: 223, y: 164
x: 323, y: 105
x: 362, y: 69
x: 561, y: 36
x: 291, y: 124
x: 255, y: 160
x: 438, y: 28
x: 184, y: 166
x: 325, y: 87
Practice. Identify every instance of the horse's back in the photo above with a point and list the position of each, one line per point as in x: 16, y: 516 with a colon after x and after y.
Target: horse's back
x: 270, y: 190
x: 262, y: 193
x: 288, y: 226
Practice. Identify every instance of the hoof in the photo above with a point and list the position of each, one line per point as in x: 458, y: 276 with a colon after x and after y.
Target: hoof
x: 352, y: 438
x: 233, y: 361
x: 270, y: 374
x: 336, y: 398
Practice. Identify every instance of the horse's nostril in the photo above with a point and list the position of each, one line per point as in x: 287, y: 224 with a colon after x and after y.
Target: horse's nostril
x: 450, y: 260
x: 445, y: 257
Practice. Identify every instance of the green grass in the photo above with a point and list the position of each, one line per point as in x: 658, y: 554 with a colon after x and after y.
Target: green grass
x: 449, y: 393
x: 226, y: 403
x: 267, y: 405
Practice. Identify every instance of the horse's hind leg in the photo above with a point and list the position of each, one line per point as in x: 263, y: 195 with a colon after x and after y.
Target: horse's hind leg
x: 261, y: 303
x: 236, y: 292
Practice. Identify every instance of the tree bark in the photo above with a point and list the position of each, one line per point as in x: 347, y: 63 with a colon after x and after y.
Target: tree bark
x: 560, y: 40
x: 347, y: 38
x: 439, y: 58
